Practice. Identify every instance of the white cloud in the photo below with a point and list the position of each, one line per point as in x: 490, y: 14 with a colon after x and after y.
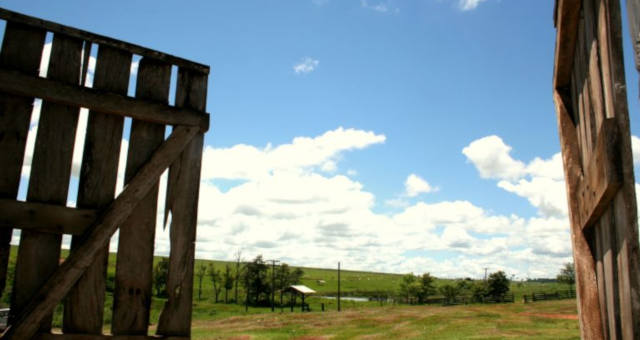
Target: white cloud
x: 491, y: 157
x: 305, y: 66
x: 541, y: 181
x: 467, y: 5
x: 247, y: 162
x: 414, y: 186
x: 379, y: 6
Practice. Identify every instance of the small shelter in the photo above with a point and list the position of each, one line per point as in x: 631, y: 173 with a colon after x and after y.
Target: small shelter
x: 301, y: 290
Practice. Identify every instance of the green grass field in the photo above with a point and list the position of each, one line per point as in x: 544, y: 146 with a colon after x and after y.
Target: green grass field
x: 360, y: 318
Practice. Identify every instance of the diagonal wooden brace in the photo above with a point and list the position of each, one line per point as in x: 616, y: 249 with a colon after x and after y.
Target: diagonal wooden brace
x: 28, y: 320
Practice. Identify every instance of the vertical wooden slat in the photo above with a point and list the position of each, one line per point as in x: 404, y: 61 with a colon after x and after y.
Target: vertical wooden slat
x: 134, y: 264
x: 625, y: 206
x: 182, y: 202
x: 599, y: 256
x: 83, y: 311
x: 610, y: 287
x: 38, y: 253
x: 586, y: 282
x: 633, y: 12
x: 21, y: 50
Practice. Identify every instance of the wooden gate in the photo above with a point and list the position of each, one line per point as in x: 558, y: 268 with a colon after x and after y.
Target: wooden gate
x: 593, y: 123
x: 41, y: 282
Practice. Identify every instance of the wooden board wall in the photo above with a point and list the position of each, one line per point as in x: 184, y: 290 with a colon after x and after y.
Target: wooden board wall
x: 593, y: 121
x: 42, y: 280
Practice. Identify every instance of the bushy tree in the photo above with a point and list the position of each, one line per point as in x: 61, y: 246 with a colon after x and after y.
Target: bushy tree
x: 227, y: 282
x: 567, y: 274
x: 255, y: 280
x: 409, y: 286
x: 215, y: 277
x: 160, y: 275
x: 426, y: 288
x: 200, y: 272
x: 497, y: 284
x: 450, y: 292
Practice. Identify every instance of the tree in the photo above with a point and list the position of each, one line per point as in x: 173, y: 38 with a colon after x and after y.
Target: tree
x: 215, y: 279
x: 409, y: 287
x: 237, y: 276
x: 497, y: 285
x: 426, y: 287
x: 255, y: 280
x: 227, y: 282
x: 200, y: 274
x: 567, y: 274
x: 160, y: 275
x: 450, y: 292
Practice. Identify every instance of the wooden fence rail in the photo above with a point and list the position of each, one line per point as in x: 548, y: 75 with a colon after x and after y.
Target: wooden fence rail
x: 41, y: 282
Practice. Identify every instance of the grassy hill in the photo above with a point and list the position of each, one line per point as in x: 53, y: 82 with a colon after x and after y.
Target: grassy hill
x: 324, y: 281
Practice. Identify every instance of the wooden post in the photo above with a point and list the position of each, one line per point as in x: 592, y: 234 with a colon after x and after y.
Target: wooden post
x: 21, y: 50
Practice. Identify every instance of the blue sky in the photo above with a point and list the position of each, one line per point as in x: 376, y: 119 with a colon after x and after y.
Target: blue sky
x: 404, y: 136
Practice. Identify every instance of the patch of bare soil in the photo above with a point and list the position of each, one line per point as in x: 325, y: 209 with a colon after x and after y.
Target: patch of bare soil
x: 553, y: 316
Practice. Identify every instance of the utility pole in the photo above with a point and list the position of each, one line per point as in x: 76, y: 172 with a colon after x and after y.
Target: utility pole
x: 485, y: 273
x: 273, y: 284
x: 338, y: 286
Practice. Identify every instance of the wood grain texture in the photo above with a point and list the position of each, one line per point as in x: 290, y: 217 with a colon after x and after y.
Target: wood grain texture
x: 100, y: 100
x: 633, y: 12
x: 99, y: 39
x: 585, y: 266
x: 46, y: 218
x: 21, y: 50
x: 134, y: 266
x: 85, y: 255
x: 39, y: 253
x: 182, y: 202
x: 606, y: 201
x: 602, y: 175
x: 84, y: 307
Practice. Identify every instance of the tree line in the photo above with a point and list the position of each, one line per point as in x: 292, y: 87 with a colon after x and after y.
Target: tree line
x: 257, y: 278
x: 418, y: 289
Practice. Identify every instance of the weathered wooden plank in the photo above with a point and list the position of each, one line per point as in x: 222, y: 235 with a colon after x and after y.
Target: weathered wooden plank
x: 134, y: 266
x: 38, y: 253
x: 22, y: 50
x: 102, y: 40
x: 100, y: 100
x: 586, y: 284
x: 70, y: 271
x: 182, y: 202
x: 602, y: 175
x: 46, y: 218
x: 83, y: 312
x: 594, y: 236
x: 633, y: 12
x: 625, y: 206
x: 568, y: 16
x: 612, y: 307
x: 48, y: 336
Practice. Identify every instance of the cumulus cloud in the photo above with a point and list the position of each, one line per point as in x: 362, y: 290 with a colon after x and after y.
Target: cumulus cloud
x: 306, y: 65
x: 414, y: 186
x: 246, y: 161
x: 541, y: 181
x: 467, y: 5
x: 491, y: 156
